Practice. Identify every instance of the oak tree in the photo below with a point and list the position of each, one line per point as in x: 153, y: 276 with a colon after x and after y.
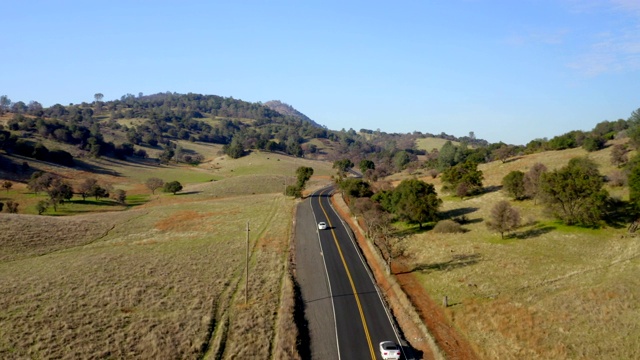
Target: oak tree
x: 172, y: 187
x: 85, y: 188
x: 415, y: 201
x: 513, y: 184
x: 303, y: 174
x: 466, y: 173
x: 59, y: 191
x: 574, y: 193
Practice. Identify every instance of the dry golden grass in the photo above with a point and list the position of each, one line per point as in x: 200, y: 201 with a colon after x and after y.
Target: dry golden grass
x: 164, y: 279
x: 551, y: 292
x: 431, y: 143
x: 153, y: 286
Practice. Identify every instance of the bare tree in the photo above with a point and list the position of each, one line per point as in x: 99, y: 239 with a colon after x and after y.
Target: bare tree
x: 379, y: 229
x: 619, y: 155
x: 504, y: 218
x: 153, y: 184
x: 85, y: 187
x: 40, y: 182
x: 504, y: 152
x: 42, y: 206
x: 12, y: 207
x: 120, y: 196
x: 98, y: 102
x: 7, y: 185
x: 532, y: 180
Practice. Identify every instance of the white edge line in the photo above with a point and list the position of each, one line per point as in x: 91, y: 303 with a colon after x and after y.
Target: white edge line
x: 375, y: 285
x: 335, y: 321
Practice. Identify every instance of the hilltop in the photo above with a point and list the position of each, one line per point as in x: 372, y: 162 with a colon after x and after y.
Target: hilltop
x: 288, y: 110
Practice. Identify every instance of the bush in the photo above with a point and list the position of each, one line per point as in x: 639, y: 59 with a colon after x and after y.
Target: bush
x: 172, y: 187
x: 617, y: 179
x: 448, y: 227
x: 294, y: 190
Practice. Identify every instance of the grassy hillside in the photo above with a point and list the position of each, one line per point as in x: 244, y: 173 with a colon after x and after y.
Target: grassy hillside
x: 159, y: 277
x: 431, y: 143
x: 549, y: 291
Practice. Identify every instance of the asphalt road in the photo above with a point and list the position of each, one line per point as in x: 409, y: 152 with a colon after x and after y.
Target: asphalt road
x: 346, y: 316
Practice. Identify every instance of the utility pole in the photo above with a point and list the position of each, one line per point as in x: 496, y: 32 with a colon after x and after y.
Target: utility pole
x: 246, y: 283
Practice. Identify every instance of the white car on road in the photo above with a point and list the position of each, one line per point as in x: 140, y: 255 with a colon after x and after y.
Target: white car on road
x: 389, y: 350
x: 322, y: 226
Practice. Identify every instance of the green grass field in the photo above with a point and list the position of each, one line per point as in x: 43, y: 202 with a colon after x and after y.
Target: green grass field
x: 160, y: 277
x: 549, y: 291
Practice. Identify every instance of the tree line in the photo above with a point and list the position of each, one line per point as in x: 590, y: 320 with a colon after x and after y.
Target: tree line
x: 60, y: 191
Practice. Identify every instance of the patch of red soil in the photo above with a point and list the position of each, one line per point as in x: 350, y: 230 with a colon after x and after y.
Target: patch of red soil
x: 182, y: 221
x: 449, y: 341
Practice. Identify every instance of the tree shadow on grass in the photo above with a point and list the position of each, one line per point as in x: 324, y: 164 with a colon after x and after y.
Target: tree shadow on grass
x: 512, y: 159
x: 531, y: 233
x: 620, y: 214
x: 457, y: 261
x: 415, y: 230
x: 449, y: 214
x: 135, y: 202
x: 92, y: 202
x: 187, y: 193
x: 490, y: 189
x: 93, y: 168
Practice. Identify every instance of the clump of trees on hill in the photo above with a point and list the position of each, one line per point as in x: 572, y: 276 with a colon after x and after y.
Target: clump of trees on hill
x: 573, y: 193
x: 303, y: 174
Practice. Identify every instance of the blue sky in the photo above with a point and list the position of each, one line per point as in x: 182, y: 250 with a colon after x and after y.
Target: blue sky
x: 507, y: 70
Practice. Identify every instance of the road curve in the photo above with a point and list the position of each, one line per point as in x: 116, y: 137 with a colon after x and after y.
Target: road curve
x: 346, y: 316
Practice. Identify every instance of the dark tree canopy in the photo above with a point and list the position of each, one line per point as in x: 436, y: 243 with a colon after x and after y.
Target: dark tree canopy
x: 303, y: 174
x: 353, y: 187
x: 634, y: 183
x: 235, y: 150
x: 413, y: 200
x: 574, y: 193
x: 343, y: 165
x: 513, y: 184
x: 465, y: 174
x: 58, y: 192
x: 86, y: 187
x: 172, y: 187
x: 98, y: 192
x: 366, y: 165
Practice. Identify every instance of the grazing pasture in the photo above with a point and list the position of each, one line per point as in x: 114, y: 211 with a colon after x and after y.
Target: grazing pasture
x: 547, y: 291
x: 162, y: 276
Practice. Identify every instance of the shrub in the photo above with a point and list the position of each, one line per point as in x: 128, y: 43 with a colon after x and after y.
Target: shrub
x: 617, y: 179
x: 172, y: 187
x: 448, y: 227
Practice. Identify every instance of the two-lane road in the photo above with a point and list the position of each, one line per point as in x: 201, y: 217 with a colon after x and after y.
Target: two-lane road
x: 359, y: 318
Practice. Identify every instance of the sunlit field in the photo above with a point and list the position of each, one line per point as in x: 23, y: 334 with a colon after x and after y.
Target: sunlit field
x: 547, y: 291
x: 162, y: 276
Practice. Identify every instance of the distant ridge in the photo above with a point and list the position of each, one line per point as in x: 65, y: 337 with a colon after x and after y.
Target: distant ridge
x: 288, y: 110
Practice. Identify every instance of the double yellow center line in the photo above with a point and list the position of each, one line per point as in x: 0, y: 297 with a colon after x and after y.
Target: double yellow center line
x: 353, y: 286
